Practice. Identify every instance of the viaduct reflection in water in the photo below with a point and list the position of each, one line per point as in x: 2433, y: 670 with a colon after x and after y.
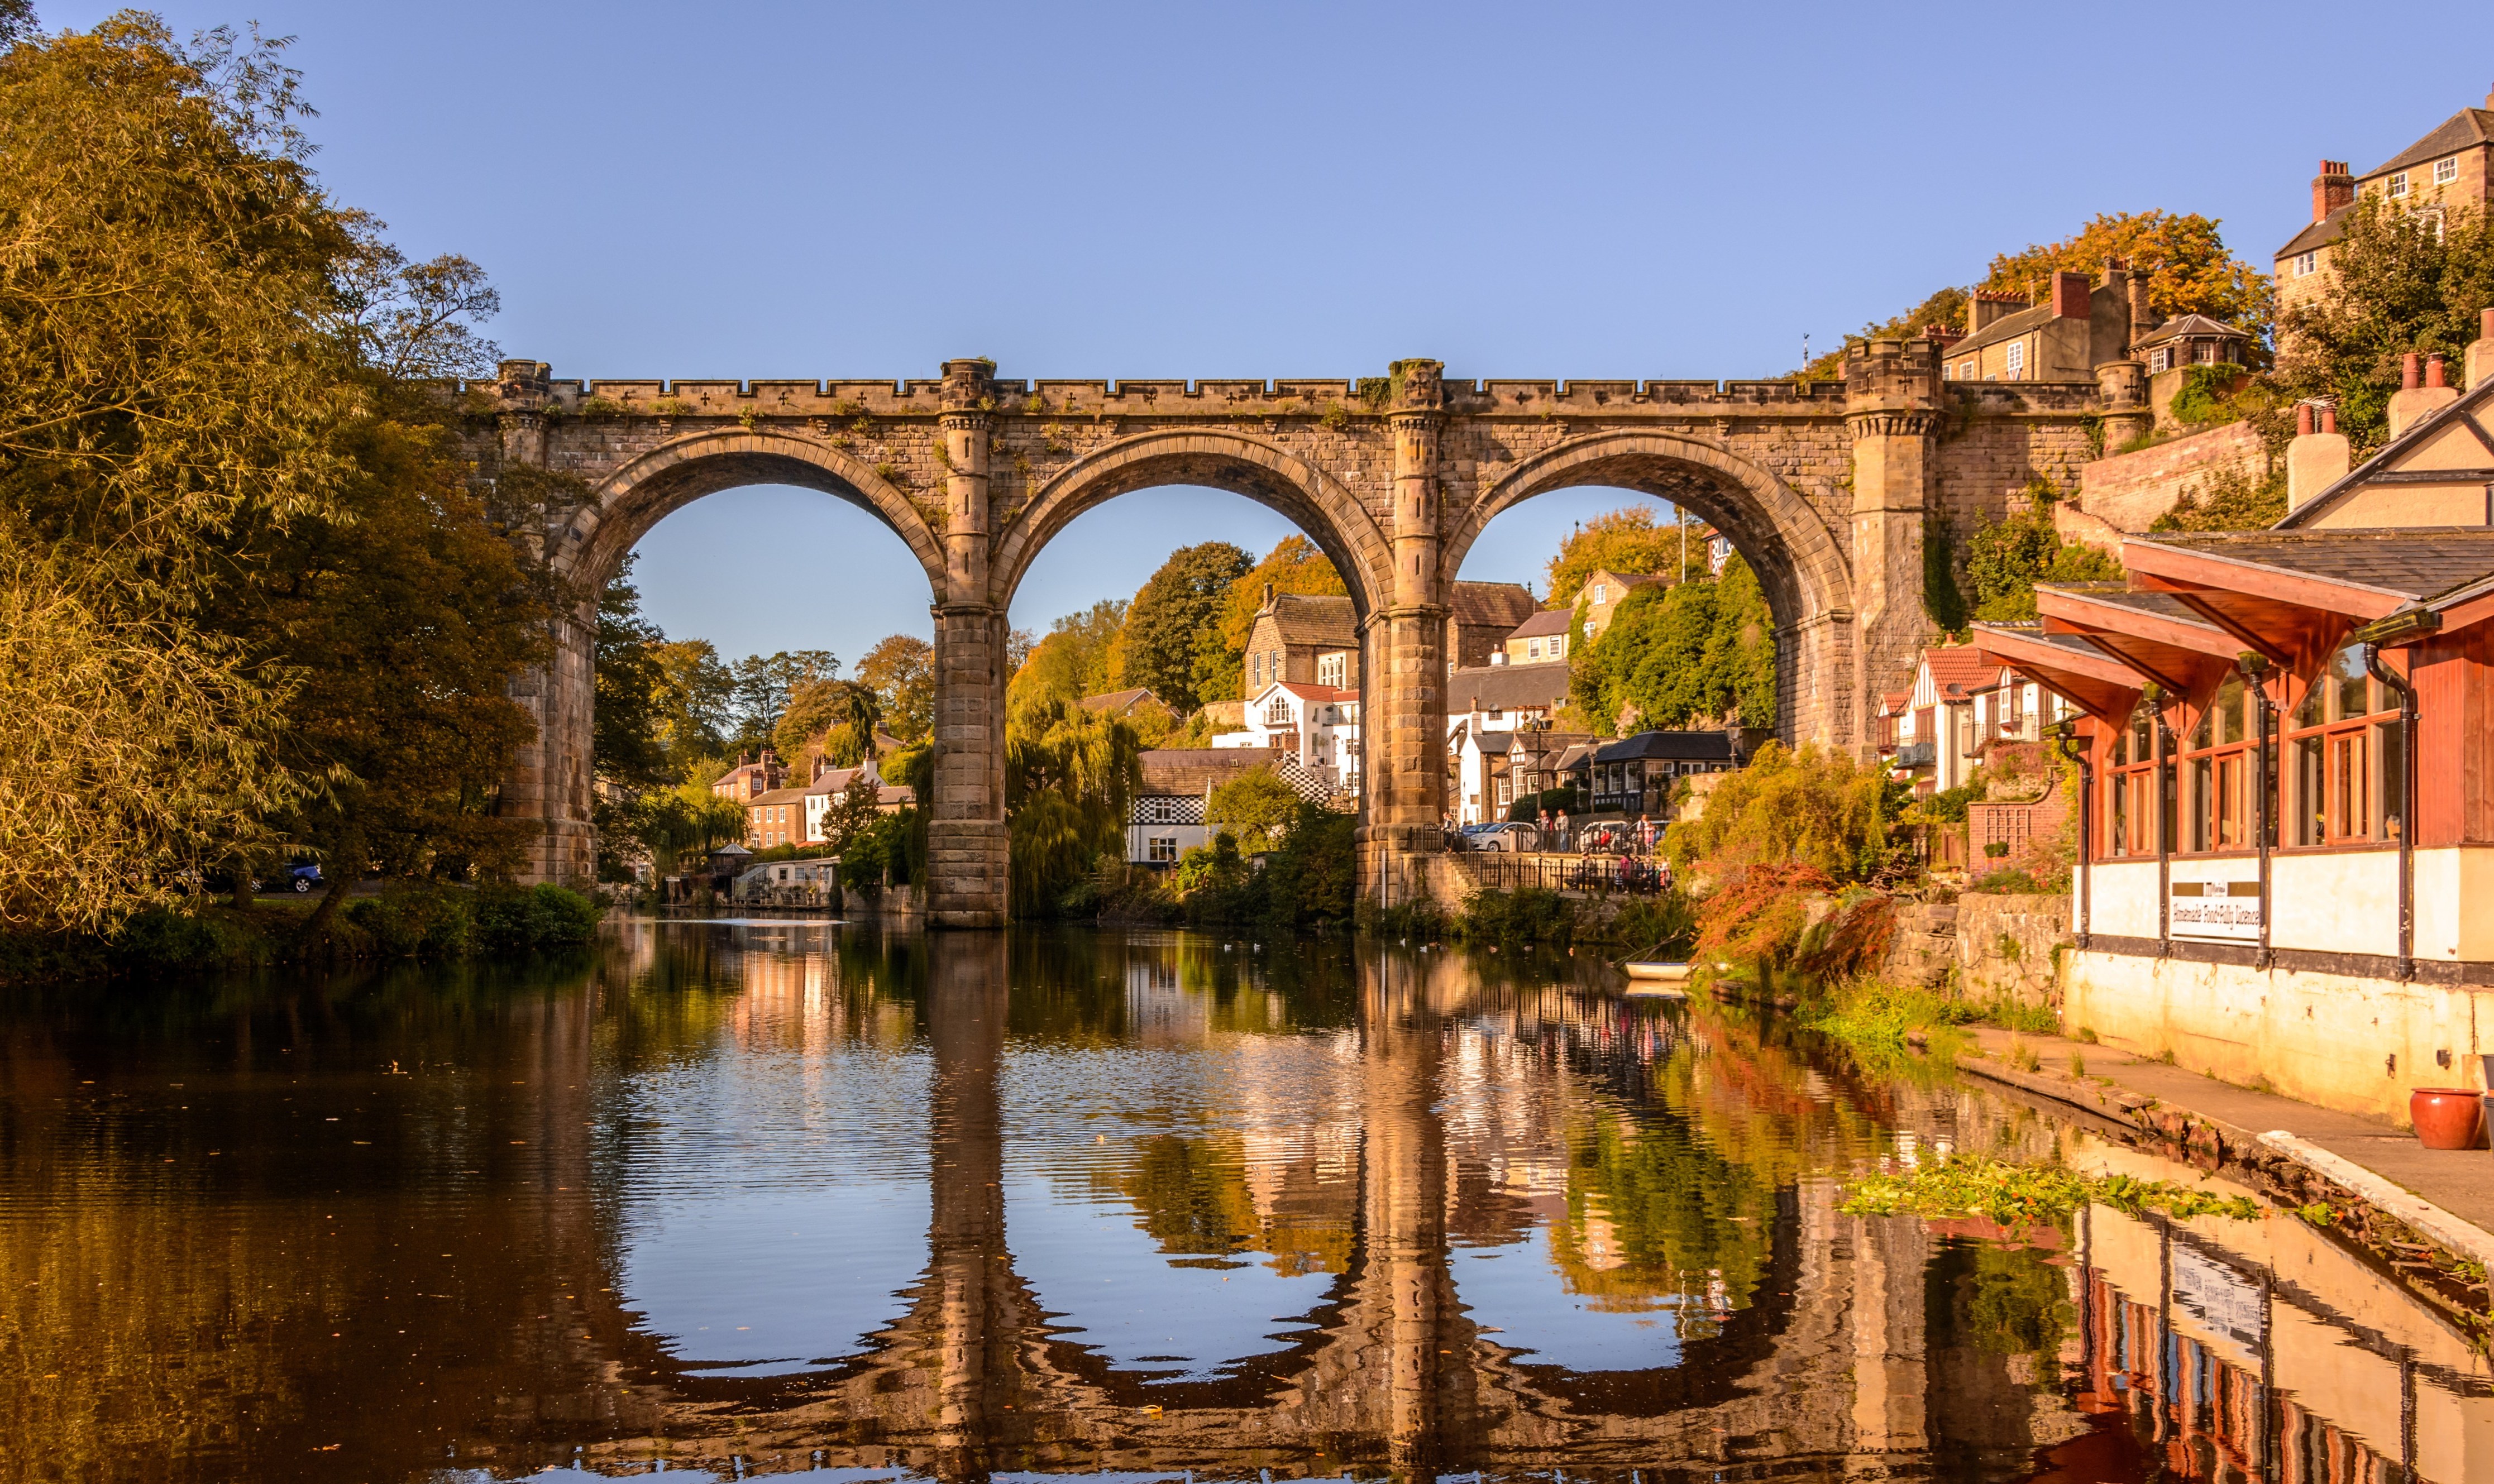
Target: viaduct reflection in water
x: 1077, y: 1203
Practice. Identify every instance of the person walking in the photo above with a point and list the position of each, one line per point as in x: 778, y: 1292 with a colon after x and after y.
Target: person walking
x: 1645, y: 834
x: 1562, y: 829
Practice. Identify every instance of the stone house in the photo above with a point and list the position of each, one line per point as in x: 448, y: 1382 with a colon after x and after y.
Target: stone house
x: 2452, y: 165
x: 1136, y: 705
x: 1603, y: 592
x: 1479, y: 615
x: 776, y: 817
x: 1485, y: 707
x: 2191, y: 340
x: 2076, y: 329
x: 752, y: 778
x: 1538, y: 640
x: 1303, y: 638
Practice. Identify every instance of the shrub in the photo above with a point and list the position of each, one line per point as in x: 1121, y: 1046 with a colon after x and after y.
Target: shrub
x: 1760, y: 914
x: 416, y: 919
x: 170, y: 938
x: 1813, y: 807
x: 2012, y: 883
x: 520, y: 920
x: 1525, y: 914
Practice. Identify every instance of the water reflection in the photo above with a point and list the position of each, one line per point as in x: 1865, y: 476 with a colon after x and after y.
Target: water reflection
x: 770, y: 1197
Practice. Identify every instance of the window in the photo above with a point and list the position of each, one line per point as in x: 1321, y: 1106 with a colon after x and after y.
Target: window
x: 1161, y: 848
x: 1333, y: 669
x: 1160, y: 810
x: 2445, y: 171
x: 1599, y: 592
x: 1255, y: 669
x: 2160, y: 358
x: 2220, y: 770
x: 2347, y: 757
x: 2308, y: 264
x: 1278, y: 712
x: 1559, y: 647
x: 2130, y: 788
x: 1965, y: 373
x: 2014, y: 358
x: 2399, y: 185
x: 1532, y: 648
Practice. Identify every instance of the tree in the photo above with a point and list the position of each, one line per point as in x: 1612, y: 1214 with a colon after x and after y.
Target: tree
x: 852, y: 814
x: 901, y: 669
x: 1632, y: 539
x: 1173, y: 615
x: 764, y: 683
x: 16, y: 21
x: 1068, y: 776
x: 1944, y: 309
x: 1256, y: 806
x: 2005, y: 558
x: 1698, y: 652
x: 2400, y: 282
x: 1077, y: 658
x: 1811, y: 808
x: 628, y: 744
x: 413, y: 322
x: 696, y: 699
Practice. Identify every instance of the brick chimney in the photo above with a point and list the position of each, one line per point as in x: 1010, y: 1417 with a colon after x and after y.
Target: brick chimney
x: 2070, y: 296
x: 1982, y: 309
x: 2331, y: 189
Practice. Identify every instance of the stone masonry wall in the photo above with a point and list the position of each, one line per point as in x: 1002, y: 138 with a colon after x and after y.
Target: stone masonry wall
x: 2129, y: 490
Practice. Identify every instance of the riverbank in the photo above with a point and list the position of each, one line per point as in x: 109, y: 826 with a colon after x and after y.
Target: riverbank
x: 2426, y: 1214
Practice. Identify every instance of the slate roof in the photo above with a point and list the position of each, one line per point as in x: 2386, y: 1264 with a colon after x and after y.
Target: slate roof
x: 775, y: 796
x: 1533, y: 743
x: 1120, y: 701
x: 1959, y: 670
x: 2164, y: 605
x: 1507, y: 687
x: 1678, y: 747
x: 1193, y: 769
x: 2418, y: 563
x: 2463, y: 128
x: 2181, y: 325
x: 1552, y: 621
x: 1323, y: 620
x: 1503, y: 604
x: 2319, y: 235
x: 2006, y: 328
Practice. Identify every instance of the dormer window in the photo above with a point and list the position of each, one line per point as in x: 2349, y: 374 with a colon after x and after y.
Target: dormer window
x: 2445, y: 171
x: 2398, y: 185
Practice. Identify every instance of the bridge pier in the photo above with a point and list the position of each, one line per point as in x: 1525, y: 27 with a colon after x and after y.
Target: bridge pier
x: 967, y: 848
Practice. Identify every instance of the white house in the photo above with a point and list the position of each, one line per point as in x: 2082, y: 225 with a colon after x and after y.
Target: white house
x: 1962, y: 702
x: 823, y: 795
x: 1316, y: 727
x: 1167, y: 817
x: 1486, y: 706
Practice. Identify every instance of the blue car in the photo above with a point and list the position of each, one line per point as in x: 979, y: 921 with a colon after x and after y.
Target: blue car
x: 301, y: 878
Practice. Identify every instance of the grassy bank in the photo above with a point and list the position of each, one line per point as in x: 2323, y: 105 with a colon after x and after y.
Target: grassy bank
x: 411, y: 920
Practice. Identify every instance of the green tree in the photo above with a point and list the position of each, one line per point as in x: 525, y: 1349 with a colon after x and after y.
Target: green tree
x: 1068, y: 776
x: 1693, y: 652
x: 852, y: 814
x: 1633, y: 539
x: 1256, y: 806
x: 2400, y: 281
x: 1173, y: 620
x: 2005, y: 558
x: 764, y: 684
x: 628, y: 744
x: 696, y: 700
x: 1077, y: 658
x: 1811, y: 808
x: 901, y: 669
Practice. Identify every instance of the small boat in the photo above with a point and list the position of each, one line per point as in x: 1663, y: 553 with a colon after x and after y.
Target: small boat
x: 1668, y: 973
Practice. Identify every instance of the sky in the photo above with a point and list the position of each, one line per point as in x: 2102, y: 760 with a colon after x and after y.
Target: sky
x: 1191, y: 191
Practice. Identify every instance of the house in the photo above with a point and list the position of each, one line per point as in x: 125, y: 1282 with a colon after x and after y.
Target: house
x: 1138, y: 705
x: 1636, y: 776
x: 810, y: 883
x: 1486, y: 706
x: 775, y: 818
x: 2286, y: 843
x: 1306, y: 638
x: 2449, y: 167
x: 2191, y: 340
x: 1603, y: 592
x: 1539, y: 761
x: 1889, y: 727
x: 1538, y: 639
x: 1480, y: 615
x: 1937, y: 735
x: 752, y: 778
x: 1314, y: 728
x: 2074, y: 330
x: 1165, y: 818
x: 824, y: 794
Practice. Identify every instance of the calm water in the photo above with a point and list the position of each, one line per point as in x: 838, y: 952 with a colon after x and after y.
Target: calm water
x: 763, y: 1199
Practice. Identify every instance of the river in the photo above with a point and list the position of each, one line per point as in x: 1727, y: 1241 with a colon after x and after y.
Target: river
x: 752, y: 1197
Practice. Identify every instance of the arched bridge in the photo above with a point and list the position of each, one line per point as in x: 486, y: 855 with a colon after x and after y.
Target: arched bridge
x: 1824, y: 487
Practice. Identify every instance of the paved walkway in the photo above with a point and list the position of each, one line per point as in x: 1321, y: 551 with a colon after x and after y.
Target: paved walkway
x: 2459, y: 1181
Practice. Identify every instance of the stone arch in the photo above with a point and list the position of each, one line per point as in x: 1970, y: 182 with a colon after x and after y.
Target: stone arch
x: 1328, y: 513
x: 656, y: 484
x: 1801, y: 563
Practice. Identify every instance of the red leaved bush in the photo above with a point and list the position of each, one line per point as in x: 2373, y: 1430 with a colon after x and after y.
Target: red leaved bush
x: 1759, y: 913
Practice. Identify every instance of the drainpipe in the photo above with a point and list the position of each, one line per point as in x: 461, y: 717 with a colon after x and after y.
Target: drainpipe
x: 2066, y: 741
x: 2252, y: 666
x: 2406, y: 693
x: 2165, y: 813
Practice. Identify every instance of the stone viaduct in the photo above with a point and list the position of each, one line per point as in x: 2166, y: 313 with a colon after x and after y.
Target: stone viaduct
x: 1827, y: 489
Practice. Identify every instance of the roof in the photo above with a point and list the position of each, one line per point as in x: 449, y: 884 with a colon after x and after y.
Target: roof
x: 1551, y: 621
x: 2319, y: 235
x: 1193, y: 769
x: 2466, y: 128
x: 2473, y: 405
x: 2182, y: 325
x: 1503, y: 604
x: 1959, y: 670
x: 1506, y: 687
x: 1121, y: 701
x: 1323, y: 620
x: 835, y: 782
x: 1693, y: 746
x: 731, y: 848
x: 1629, y: 582
x: 2418, y: 564
x: 1893, y: 702
x: 1305, y: 691
x: 1543, y: 743
x: 777, y: 795
x: 2006, y: 328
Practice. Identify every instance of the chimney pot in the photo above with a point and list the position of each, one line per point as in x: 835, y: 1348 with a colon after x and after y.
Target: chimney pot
x: 2485, y: 324
x: 2303, y: 420
x: 2331, y: 189
x: 2328, y: 417
x: 2411, y: 372
x: 2433, y: 370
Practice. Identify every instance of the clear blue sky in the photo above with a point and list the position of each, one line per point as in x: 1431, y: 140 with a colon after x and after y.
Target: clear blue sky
x: 1197, y: 191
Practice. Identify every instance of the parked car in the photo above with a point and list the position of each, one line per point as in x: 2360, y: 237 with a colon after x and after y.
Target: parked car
x: 303, y: 878
x: 1505, y: 835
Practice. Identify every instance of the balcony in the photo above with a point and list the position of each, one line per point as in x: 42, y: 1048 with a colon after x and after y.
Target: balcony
x: 1917, y: 754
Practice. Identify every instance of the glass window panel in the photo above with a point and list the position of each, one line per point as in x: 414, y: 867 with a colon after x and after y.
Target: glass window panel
x: 2310, y: 794
x: 2348, y: 815
x: 2393, y: 779
x: 2231, y: 726
x: 2120, y: 792
x: 2233, y: 833
x: 2307, y: 711
x: 2142, y: 743
x: 2204, y: 804
x: 2273, y: 812
x: 2347, y: 671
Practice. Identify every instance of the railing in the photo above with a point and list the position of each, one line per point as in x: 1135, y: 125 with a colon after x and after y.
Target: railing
x: 1918, y: 754
x: 1598, y: 875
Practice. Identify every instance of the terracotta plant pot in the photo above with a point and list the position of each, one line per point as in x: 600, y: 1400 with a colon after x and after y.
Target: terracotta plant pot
x: 2447, y: 1117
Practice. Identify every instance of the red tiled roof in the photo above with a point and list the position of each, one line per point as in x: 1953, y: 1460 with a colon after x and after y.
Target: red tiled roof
x: 1959, y: 670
